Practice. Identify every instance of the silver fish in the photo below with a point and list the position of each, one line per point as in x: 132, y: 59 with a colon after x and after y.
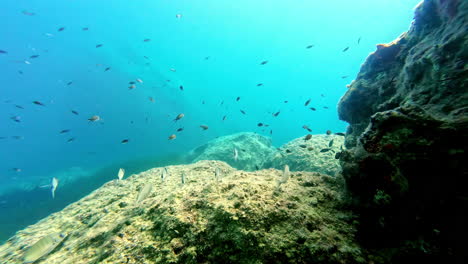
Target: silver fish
x: 144, y: 193
x: 55, y: 183
x: 285, y: 175
x: 183, y: 177
x: 43, y: 247
x: 236, y: 154
x: 217, y: 174
x: 164, y: 174
x: 121, y: 173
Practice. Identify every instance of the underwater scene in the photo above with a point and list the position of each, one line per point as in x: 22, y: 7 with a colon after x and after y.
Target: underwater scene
x: 248, y: 131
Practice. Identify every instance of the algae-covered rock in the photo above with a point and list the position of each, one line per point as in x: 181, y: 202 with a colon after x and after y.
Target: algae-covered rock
x: 316, y: 154
x: 242, y: 217
x: 405, y: 165
x: 252, y: 151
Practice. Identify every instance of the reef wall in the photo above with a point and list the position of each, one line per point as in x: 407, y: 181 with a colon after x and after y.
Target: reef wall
x: 406, y: 160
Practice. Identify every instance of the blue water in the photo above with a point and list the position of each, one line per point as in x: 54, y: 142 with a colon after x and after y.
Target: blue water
x: 215, y: 47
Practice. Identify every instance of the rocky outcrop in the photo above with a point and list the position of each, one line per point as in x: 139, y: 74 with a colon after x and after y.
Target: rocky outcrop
x: 237, y: 217
x: 315, y: 154
x: 253, y: 151
x: 405, y: 166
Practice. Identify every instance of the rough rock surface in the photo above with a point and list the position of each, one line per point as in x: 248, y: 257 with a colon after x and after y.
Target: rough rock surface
x: 253, y: 150
x: 406, y: 164
x: 306, y: 155
x: 242, y: 217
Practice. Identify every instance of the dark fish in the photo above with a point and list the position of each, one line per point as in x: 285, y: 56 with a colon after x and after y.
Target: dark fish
x: 203, y: 102
x: 263, y: 62
x: 345, y: 49
x: 74, y: 112
x: 238, y: 98
x: 17, y: 119
x: 98, y: 45
x: 328, y: 132
x: 303, y: 146
x: 38, y: 103
x: 306, y: 127
x: 276, y: 114
x: 131, y: 82
x: 125, y: 141
x: 180, y: 129
x: 71, y: 139
x: 359, y: 40
x: 288, y: 151
x: 28, y: 13
x: 108, y: 68
x: 19, y: 106
x: 310, y: 148
x: 310, y: 46
x: 260, y: 84
x: 256, y: 167
x: 338, y: 155
x: 85, y: 29
x: 206, y: 58
x: 325, y: 107
x: 146, y: 40
x: 307, y: 103
x: 313, y: 108
x: 322, y: 95
x: 61, y: 29
x: 178, y: 117
x: 340, y: 134
x: 204, y: 127
x: 330, y: 144
x: 224, y: 118
x: 131, y: 87
x: 69, y: 83
x: 344, y: 76
x: 151, y: 99
x: 307, y: 137
x: 2, y: 137
x: 242, y: 111
x: 16, y: 169
x: 3, y: 52
x: 260, y: 124
x: 181, y: 88
x: 20, y: 72
x: 271, y: 132
x: 285, y: 102
x: 34, y: 56
x: 64, y: 131
x: 17, y: 137
x: 222, y: 102
x: 325, y: 150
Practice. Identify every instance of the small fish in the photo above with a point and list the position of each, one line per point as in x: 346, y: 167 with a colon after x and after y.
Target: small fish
x: 285, y: 175
x: 34, y: 56
x: 70, y: 140
x: 179, y: 116
x: 139, y: 80
x: 204, y: 127
x: 340, y: 134
x: 359, y: 40
x: 94, y: 118
x: 306, y: 127
x: 178, y: 15
x: 181, y: 88
x: 259, y: 84
x: 69, y: 83
x: 124, y: 141
x: 85, y: 29
x: 345, y: 49
x: 307, y: 137
x: 328, y: 132
x: 17, y: 137
x: 144, y: 193
x: 131, y: 87
x: 183, y: 177
x: 325, y: 150
x: 107, y: 69
x: 313, y: 108
x: 164, y: 174
x: 172, y: 70
x: 330, y: 144
x: 64, y: 131
x: 27, y: 62
x: 276, y: 114
x: 16, y: 169
x: 61, y: 29
x: 74, y: 112
x: 260, y: 124
x: 217, y: 174
x: 151, y: 99
x: 338, y: 155
x: 310, y: 46
x: 98, y: 45
x: 120, y: 174
x: 43, y: 247
x: 224, y: 118
x: 242, y: 111
x: 344, y: 76
x: 285, y: 102
x: 288, y: 151
x: 171, y: 137
x: 147, y: 40
x: 303, y: 146
x: 325, y: 107
x: 28, y: 13
x: 3, y: 52
x: 17, y: 119
x: 207, y: 57
x: 307, y: 103
x: 271, y: 132
x: 132, y: 82
x: 55, y: 183
x: 236, y: 154
x: 263, y: 62
x: 38, y: 103
x: 310, y: 148
x: 238, y: 98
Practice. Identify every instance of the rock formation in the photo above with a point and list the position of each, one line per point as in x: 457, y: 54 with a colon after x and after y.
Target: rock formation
x: 406, y: 165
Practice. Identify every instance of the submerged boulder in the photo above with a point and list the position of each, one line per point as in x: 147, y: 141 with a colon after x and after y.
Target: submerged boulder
x: 252, y: 149
x: 315, y: 154
x: 237, y: 217
x: 405, y: 166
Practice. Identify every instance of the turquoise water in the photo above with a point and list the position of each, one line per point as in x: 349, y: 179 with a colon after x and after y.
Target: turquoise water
x: 214, y: 48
